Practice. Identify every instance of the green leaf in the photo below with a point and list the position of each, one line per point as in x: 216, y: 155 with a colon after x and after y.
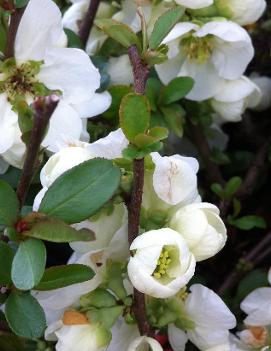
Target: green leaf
x: 81, y: 191
x: 74, y: 40
x: 105, y: 316
x: 9, y: 205
x: 131, y: 151
x: 253, y: 280
x: 28, y: 264
x: 153, y: 88
x: 6, y: 258
x: 177, y: 89
x: 248, y: 222
x: 55, y: 230
x: 24, y: 315
x: 163, y: 26
x: 11, y: 342
x: 134, y: 115
x: 232, y: 186
x: 218, y: 190
x: 21, y: 3
x: 118, y: 31
x: 61, y: 276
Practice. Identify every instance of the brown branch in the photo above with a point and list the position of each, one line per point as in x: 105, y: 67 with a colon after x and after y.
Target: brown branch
x: 140, y: 71
x: 252, y: 258
x: 15, y: 19
x: 88, y: 21
x: 212, y: 170
x: 44, y: 108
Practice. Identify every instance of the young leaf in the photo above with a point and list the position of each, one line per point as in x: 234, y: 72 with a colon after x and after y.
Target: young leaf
x: 163, y: 26
x: 176, y: 90
x: 61, y: 276
x: 28, y: 264
x: 134, y: 115
x: 6, y: 257
x: 55, y: 230
x: 9, y: 205
x: 80, y: 192
x: 249, y: 222
x: 119, y: 32
x: 24, y: 315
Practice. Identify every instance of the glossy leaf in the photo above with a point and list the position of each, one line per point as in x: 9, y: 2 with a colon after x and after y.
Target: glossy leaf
x: 134, y: 115
x: 9, y: 205
x: 28, y: 264
x: 177, y: 89
x: 163, y: 26
x: 25, y: 316
x: 61, y: 276
x: 81, y: 191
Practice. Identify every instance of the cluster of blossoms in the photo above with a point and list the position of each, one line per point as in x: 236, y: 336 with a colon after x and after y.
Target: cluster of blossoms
x: 177, y: 229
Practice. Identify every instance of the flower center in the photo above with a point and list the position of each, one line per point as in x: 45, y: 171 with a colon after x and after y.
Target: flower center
x: 162, y: 263
x: 20, y: 81
x: 259, y: 336
x: 198, y: 49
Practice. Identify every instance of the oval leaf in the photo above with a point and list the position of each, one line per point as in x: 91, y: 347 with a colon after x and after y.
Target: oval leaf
x: 9, y: 204
x: 134, y: 115
x: 118, y: 31
x: 80, y: 192
x: 176, y: 90
x: 54, y: 230
x: 28, y: 264
x: 25, y: 316
x: 61, y: 276
x: 163, y: 26
x: 6, y: 257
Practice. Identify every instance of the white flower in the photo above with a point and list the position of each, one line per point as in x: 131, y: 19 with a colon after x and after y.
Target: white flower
x: 162, y: 263
x: 195, y: 4
x: 211, y: 317
x: 120, y: 70
x: 81, y: 337
x: 264, y: 84
x: 245, y: 11
x: 216, y: 51
x: 257, y: 305
x: 255, y: 337
x: 235, y: 97
x: 41, y: 59
x: 202, y: 228
x: 174, y: 178
x: 144, y: 343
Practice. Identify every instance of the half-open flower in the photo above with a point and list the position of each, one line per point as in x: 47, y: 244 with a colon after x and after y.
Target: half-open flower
x: 162, y: 263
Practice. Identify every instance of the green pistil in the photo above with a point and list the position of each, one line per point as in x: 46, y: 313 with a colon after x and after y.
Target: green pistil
x: 198, y: 49
x: 162, y: 264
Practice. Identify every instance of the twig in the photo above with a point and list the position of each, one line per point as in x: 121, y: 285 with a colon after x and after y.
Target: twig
x: 251, y: 259
x: 88, y: 21
x: 213, y: 172
x: 44, y: 108
x: 15, y: 19
x: 140, y: 71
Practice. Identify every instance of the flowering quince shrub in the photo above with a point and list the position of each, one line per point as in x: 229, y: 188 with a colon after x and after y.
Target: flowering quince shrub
x: 134, y: 168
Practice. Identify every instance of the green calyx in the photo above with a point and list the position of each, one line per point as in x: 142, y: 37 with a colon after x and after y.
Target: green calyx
x: 196, y: 49
x: 21, y: 80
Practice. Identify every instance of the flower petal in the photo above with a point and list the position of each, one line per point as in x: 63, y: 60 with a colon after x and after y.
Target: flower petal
x: 177, y: 338
x: 94, y: 106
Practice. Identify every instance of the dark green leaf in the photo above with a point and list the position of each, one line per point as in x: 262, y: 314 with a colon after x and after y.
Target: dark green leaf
x: 177, y: 89
x: 55, y: 230
x: 28, y: 264
x: 163, y: 26
x: 9, y: 205
x: 218, y: 190
x: 61, y: 276
x: 232, y: 186
x: 25, y: 316
x: 153, y: 88
x: 21, y: 3
x: 119, y: 32
x: 249, y: 222
x: 134, y: 115
x: 80, y: 192
x: 6, y: 257
x: 174, y: 117
x: 250, y: 282
x: 117, y: 92
x: 74, y: 40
